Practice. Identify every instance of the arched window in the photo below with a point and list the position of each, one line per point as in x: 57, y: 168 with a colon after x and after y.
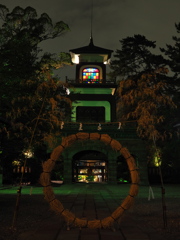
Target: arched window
x: 91, y: 75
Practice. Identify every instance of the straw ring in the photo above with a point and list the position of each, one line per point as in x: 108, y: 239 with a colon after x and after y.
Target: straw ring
x: 108, y: 221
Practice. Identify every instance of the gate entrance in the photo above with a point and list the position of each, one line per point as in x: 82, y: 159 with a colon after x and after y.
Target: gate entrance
x: 58, y: 207
x: 90, y: 171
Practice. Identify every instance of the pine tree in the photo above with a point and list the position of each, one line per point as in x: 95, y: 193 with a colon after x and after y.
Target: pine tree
x: 143, y: 92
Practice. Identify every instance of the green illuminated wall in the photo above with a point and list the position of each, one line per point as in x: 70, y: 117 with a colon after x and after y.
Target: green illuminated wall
x: 84, y: 103
x: 93, y: 90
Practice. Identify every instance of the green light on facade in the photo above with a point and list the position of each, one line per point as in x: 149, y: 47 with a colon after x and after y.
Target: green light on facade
x: 122, y: 180
x: 84, y: 103
x: 93, y: 90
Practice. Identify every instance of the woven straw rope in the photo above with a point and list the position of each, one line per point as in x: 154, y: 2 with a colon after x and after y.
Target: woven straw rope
x: 57, y: 206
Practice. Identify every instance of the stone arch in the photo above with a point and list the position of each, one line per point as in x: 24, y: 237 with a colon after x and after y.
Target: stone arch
x: 80, y: 145
x: 57, y: 206
x: 95, y: 145
x: 89, y: 153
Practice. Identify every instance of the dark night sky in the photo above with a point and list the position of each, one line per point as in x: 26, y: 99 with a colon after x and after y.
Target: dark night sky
x: 112, y: 21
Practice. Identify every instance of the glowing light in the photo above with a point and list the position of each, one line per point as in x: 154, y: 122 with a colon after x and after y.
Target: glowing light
x: 107, y: 61
x: 157, y: 161
x: 28, y: 153
x: 75, y: 59
x: 122, y: 180
x: 16, y: 163
x: 90, y: 75
x: 67, y: 91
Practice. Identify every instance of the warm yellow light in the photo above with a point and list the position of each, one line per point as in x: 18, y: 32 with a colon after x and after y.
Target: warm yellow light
x: 16, y: 163
x: 82, y: 178
x: 28, y: 153
x: 75, y: 59
x: 113, y: 91
x: 107, y: 61
x: 157, y: 161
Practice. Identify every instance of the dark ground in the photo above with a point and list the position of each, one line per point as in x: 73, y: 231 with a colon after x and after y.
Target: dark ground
x: 33, y: 208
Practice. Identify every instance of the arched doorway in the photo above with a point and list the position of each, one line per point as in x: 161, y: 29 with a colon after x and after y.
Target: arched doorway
x: 58, y: 207
x: 89, y: 166
x: 123, y: 174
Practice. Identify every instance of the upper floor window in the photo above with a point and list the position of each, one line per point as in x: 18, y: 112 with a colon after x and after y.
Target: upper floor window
x: 91, y: 75
x: 90, y: 114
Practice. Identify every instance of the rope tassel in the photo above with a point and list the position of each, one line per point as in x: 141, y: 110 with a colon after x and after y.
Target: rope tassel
x: 99, y: 127
x: 62, y: 125
x: 80, y: 127
x: 119, y: 126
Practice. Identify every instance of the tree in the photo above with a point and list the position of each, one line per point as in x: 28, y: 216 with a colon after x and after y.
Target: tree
x: 171, y: 152
x: 20, y: 35
x: 173, y: 54
x: 143, y: 92
x: 173, y: 60
x: 33, y: 100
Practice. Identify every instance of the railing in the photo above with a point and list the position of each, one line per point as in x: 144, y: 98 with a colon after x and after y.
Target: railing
x: 77, y: 81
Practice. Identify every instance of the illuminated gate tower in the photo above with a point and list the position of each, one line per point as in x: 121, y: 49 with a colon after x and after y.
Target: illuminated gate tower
x: 95, y: 101
x: 94, y: 105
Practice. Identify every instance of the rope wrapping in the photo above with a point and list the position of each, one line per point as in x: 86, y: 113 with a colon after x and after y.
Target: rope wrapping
x: 57, y: 206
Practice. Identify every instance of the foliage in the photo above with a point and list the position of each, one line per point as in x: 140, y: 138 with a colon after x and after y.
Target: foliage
x: 173, y: 60
x: 21, y: 33
x: 143, y: 92
x: 173, y: 54
x: 33, y: 101
x: 171, y: 153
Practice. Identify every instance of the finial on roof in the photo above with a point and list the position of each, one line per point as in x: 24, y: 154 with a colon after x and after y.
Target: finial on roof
x: 91, y: 41
x: 91, y: 38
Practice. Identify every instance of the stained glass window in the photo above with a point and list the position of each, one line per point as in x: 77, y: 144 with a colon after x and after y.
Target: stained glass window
x: 90, y: 75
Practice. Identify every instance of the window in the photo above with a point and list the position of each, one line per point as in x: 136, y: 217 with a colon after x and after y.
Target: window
x: 90, y: 114
x: 90, y: 75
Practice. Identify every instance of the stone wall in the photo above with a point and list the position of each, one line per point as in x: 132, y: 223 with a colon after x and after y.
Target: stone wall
x: 135, y: 146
